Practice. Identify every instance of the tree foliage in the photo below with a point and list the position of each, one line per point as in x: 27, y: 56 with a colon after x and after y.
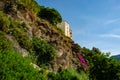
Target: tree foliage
x: 52, y: 15
x: 101, y: 67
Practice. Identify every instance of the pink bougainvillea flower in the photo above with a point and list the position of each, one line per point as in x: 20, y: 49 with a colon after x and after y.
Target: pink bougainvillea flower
x: 82, y: 60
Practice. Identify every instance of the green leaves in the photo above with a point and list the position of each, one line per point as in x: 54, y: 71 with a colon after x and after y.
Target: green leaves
x: 52, y: 15
x: 13, y: 66
x: 32, y: 5
x: 101, y: 67
x: 44, y: 52
x: 4, y: 22
x: 68, y: 74
x: 22, y: 38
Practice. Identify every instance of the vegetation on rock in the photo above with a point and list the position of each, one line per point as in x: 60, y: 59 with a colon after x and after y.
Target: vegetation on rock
x: 43, y: 51
x: 46, y: 46
x: 13, y: 66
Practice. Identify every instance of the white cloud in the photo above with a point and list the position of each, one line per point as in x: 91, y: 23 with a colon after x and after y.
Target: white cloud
x: 110, y: 36
x: 96, y: 20
x: 111, y: 21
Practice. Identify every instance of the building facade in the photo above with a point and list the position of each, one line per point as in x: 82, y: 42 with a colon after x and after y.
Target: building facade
x: 66, y: 28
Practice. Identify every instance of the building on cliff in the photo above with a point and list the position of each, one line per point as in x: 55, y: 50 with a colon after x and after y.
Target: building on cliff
x: 65, y: 28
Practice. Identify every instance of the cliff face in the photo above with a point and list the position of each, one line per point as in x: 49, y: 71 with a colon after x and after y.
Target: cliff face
x: 26, y: 25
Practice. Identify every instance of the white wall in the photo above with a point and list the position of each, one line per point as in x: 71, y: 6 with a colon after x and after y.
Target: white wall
x: 65, y: 27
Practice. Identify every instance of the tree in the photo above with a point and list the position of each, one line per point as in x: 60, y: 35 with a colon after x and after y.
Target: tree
x: 101, y: 67
x: 52, y: 15
x: 104, y: 68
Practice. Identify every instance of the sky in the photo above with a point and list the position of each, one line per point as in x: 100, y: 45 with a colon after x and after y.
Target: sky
x: 94, y: 23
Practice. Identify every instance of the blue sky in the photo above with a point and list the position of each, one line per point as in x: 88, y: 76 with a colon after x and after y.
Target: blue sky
x: 95, y: 23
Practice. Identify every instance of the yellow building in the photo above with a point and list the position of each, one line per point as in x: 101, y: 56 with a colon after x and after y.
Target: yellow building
x: 66, y: 28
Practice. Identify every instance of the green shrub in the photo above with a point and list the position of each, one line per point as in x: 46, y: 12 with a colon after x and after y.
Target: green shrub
x: 69, y: 74
x: 53, y: 76
x: 76, y: 48
x: 4, y: 22
x: 31, y: 4
x: 13, y: 66
x: 44, y: 52
x: 21, y: 7
x: 22, y: 38
x: 60, y: 30
x: 8, y: 7
x: 17, y: 29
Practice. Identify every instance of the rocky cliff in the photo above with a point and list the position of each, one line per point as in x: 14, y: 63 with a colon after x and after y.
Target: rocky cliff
x: 20, y: 25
